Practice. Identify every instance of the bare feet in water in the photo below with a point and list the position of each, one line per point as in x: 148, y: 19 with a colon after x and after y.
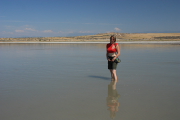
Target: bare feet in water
x: 112, y: 79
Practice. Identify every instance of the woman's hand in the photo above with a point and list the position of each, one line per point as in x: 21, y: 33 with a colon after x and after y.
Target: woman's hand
x: 114, y: 59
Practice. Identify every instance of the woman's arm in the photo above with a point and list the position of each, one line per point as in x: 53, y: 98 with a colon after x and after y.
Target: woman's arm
x: 118, y: 52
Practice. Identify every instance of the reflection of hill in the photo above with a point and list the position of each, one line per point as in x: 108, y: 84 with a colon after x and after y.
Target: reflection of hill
x: 103, y: 37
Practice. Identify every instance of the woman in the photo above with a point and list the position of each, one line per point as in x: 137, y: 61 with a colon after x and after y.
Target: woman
x: 113, y: 51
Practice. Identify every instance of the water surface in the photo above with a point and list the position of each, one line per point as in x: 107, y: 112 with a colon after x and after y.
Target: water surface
x: 71, y: 81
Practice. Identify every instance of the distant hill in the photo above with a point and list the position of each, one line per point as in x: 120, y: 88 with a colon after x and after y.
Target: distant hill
x: 102, y: 37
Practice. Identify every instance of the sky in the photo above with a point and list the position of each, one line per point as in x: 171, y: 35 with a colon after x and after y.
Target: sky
x: 62, y: 18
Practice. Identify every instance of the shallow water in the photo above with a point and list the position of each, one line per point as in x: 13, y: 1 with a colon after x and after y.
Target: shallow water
x: 71, y: 81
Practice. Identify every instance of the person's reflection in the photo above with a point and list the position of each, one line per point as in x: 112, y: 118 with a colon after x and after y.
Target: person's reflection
x: 112, y: 99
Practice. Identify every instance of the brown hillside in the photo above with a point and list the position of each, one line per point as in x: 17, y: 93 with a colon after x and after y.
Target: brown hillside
x: 102, y: 37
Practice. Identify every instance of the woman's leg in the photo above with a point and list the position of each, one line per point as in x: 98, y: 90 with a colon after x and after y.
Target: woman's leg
x: 115, y: 75
x: 112, y: 76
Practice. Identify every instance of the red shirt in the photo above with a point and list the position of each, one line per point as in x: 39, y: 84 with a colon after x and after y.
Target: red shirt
x: 111, y: 48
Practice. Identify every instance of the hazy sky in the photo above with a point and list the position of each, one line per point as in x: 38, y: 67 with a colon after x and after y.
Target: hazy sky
x: 51, y: 18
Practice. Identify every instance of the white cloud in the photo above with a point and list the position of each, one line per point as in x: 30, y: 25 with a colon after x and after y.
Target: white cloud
x: 30, y: 29
x: 10, y: 27
x: 5, y: 32
x: 47, y: 31
x: 84, y: 31
x: 117, y: 29
x: 19, y: 31
x: 25, y: 30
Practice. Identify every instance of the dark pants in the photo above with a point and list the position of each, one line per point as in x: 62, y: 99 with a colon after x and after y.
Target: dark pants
x: 111, y: 64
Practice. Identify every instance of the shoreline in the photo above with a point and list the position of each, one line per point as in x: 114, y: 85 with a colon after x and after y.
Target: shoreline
x: 130, y: 42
